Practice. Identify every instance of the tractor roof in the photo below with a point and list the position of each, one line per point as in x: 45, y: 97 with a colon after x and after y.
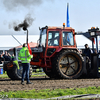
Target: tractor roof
x: 68, y: 28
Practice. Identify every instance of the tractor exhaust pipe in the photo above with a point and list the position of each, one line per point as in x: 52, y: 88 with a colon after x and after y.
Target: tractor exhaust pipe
x: 25, y: 29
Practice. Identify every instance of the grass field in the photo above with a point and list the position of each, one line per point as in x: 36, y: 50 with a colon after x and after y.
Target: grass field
x: 47, y: 93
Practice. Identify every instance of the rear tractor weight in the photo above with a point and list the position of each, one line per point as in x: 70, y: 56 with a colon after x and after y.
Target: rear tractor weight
x: 68, y: 64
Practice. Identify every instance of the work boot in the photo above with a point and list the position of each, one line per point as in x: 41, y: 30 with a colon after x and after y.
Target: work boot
x: 22, y: 82
x: 29, y: 83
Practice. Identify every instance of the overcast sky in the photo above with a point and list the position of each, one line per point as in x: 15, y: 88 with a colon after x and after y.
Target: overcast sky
x: 83, y: 14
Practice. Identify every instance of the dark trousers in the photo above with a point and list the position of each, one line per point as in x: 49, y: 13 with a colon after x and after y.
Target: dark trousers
x: 26, y: 68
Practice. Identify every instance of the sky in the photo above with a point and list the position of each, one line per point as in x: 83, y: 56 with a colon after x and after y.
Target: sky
x: 83, y: 14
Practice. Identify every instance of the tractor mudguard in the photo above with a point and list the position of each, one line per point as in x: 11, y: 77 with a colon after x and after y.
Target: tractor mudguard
x: 16, y: 62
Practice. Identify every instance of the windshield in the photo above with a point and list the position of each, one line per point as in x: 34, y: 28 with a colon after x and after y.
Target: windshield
x: 53, y: 38
x: 68, y: 38
x: 43, y: 37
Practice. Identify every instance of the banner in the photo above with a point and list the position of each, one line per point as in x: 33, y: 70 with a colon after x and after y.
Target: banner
x: 68, y: 23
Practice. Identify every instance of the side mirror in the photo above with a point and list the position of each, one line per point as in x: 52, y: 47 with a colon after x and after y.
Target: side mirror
x: 75, y: 33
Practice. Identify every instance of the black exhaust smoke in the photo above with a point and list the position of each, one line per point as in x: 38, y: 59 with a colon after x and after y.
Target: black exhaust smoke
x: 25, y: 24
x: 12, y: 5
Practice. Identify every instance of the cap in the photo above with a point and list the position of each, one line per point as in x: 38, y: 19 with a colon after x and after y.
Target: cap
x: 24, y: 45
x: 86, y: 45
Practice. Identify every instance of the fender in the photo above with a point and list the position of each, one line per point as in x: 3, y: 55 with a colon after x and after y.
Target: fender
x: 16, y: 62
x: 59, y: 49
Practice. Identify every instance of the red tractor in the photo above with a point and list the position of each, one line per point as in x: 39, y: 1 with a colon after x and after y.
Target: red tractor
x: 57, y: 53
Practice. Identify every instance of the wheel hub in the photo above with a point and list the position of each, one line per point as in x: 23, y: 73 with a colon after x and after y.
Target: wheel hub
x: 69, y: 65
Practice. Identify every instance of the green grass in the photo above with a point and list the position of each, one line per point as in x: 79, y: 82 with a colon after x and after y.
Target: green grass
x: 34, y: 74
x: 47, y: 93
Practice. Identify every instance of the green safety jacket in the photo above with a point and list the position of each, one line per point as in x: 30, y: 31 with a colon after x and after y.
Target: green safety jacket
x: 24, y: 55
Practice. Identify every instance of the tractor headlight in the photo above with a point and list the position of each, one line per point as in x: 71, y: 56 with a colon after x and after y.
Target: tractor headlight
x: 92, y: 33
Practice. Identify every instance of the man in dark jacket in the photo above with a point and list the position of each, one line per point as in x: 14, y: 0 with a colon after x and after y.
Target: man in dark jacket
x: 1, y: 59
x: 87, y: 51
x: 6, y: 56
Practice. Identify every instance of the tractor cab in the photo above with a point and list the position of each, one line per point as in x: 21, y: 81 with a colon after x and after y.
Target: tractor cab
x: 54, y: 38
x: 57, y: 49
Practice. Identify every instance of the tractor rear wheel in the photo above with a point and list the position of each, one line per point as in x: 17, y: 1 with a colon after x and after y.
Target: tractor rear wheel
x: 68, y: 64
x: 15, y: 73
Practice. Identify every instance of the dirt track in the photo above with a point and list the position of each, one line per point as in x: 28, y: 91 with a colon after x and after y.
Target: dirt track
x: 46, y: 83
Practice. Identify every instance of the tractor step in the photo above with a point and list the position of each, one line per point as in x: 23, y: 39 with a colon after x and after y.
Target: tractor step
x: 48, y: 62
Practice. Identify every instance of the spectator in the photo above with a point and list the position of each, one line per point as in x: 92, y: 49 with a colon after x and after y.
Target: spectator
x: 1, y: 59
x: 80, y: 51
x: 13, y: 58
x: 95, y: 51
x: 7, y: 56
x: 87, y: 51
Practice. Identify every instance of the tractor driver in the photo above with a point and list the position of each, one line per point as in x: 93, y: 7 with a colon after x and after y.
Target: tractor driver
x: 66, y: 39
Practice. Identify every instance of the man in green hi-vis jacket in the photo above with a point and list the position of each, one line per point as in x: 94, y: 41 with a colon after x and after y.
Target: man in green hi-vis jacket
x: 25, y: 58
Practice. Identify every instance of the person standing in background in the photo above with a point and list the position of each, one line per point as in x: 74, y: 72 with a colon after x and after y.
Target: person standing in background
x: 87, y: 51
